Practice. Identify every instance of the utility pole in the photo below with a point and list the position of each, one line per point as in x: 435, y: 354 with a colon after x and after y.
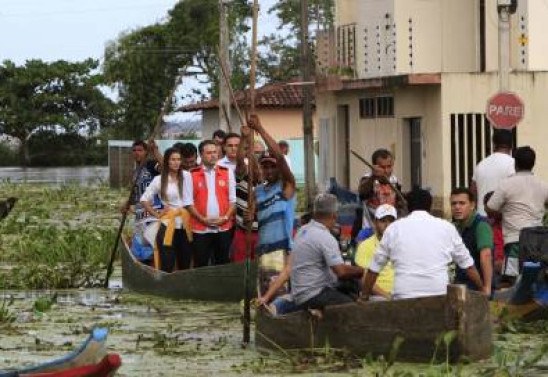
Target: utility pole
x: 308, y: 131
x: 504, y: 8
x: 224, y: 54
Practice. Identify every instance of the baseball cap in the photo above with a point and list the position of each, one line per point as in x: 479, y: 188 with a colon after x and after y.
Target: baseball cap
x: 385, y: 210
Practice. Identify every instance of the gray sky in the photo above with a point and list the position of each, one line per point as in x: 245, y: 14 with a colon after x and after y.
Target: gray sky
x: 78, y: 29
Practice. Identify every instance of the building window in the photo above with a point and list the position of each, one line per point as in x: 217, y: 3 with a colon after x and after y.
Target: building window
x: 377, y: 107
x: 367, y: 108
x: 471, y: 135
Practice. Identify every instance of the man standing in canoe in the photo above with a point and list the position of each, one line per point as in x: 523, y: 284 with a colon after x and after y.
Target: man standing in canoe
x: 275, y: 203
x: 212, y: 206
x: 420, y: 247
x: 143, y: 174
x: 244, y: 215
x: 230, y: 146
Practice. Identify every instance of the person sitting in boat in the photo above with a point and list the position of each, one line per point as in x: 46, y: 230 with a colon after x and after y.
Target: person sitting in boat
x: 375, y: 189
x: 477, y: 236
x: 173, y: 238
x: 521, y: 200
x: 211, y: 202
x: 420, y: 247
x: 316, y: 261
x: 275, y: 203
x: 384, y: 216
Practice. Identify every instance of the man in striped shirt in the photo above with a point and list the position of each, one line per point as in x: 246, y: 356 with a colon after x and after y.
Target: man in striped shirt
x: 243, y: 214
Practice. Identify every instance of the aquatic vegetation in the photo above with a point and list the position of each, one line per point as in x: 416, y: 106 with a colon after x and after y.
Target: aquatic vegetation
x: 6, y: 315
x: 57, y: 237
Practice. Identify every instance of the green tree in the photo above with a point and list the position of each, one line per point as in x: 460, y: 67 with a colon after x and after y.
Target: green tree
x: 41, y: 95
x: 142, y: 66
x: 144, y: 63
x: 281, y: 60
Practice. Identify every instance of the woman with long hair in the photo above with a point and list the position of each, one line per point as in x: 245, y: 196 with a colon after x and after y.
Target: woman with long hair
x: 174, y: 235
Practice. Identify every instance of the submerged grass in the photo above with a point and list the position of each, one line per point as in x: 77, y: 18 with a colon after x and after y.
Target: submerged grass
x: 57, y: 237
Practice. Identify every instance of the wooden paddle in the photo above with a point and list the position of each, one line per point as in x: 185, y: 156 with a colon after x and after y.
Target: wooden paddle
x: 153, y: 135
x: 251, y: 179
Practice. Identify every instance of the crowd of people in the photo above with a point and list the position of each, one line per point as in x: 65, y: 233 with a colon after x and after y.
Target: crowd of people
x: 193, y: 209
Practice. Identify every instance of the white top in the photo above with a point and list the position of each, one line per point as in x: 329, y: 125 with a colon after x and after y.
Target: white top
x: 225, y: 162
x: 489, y: 173
x: 288, y: 161
x: 520, y: 199
x: 173, y: 200
x: 212, y: 203
x: 421, y: 247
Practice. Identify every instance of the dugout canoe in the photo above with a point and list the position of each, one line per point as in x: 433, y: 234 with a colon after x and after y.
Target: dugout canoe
x: 6, y: 206
x: 364, y: 328
x: 213, y: 283
x: 90, y: 359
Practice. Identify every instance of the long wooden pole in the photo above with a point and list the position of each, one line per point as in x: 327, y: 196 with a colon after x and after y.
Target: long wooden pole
x: 251, y: 179
x: 231, y: 92
x: 308, y: 131
x: 392, y: 186
x: 157, y: 127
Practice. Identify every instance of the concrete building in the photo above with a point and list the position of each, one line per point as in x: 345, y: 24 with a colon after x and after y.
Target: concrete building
x: 414, y: 76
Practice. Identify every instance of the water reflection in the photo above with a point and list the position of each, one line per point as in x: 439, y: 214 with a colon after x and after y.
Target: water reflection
x: 83, y: 175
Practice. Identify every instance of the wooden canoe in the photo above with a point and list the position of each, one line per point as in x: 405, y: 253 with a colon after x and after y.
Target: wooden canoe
x: 364, y: 328
x: 90, y: 359
x: 213, y: 283
x: 6, y: 206
x: 513, y: 303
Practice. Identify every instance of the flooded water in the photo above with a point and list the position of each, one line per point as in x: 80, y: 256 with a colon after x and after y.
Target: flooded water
x: 83, y: 175
x: 160, y: 337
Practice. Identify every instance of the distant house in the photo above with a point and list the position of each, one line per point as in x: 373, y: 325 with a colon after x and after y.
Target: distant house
x: 278, y: 105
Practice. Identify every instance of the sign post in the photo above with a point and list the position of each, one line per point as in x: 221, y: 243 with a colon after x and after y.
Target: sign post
x: 505, y: 110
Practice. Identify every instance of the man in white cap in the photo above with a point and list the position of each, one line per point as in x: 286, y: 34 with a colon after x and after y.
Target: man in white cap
x: 385, y: 215
x: 316, y: 261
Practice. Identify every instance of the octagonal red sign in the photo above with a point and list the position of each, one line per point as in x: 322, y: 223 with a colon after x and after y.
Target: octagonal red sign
x: 505, y: 110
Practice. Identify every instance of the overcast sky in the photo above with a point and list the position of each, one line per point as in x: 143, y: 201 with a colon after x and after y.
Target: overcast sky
x: 78, y: 29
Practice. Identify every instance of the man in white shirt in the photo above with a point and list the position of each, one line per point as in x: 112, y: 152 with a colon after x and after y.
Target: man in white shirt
x: 420, y: 247
x: 284, y: 147
x: 494, y: 168
x: 230, y: 145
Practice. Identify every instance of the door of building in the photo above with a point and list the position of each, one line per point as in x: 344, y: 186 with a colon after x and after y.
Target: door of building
x: 342, y: 142
x: 415, y: 151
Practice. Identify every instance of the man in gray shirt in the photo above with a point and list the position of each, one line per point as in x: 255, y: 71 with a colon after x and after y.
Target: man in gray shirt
x: 316, y: 260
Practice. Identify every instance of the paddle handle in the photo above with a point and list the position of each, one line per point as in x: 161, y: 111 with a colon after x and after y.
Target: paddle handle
x: 115, y: 248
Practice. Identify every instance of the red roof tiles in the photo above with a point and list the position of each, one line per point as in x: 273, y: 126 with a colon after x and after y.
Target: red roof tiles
x: 278, y: 95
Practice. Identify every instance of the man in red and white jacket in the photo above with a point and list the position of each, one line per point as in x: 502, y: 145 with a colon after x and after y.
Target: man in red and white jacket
x: 210, y: 197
